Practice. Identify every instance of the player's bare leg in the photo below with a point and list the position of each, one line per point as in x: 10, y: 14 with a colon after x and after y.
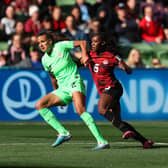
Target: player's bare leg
x: 110, y: 109
x: 43, y: 107
x: 79, y: 102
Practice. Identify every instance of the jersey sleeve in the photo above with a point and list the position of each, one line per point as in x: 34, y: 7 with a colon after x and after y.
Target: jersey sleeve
x: 67, y: 44
x: 116, y: 60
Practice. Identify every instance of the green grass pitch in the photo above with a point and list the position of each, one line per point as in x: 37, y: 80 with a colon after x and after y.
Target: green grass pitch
x: 27, y: 144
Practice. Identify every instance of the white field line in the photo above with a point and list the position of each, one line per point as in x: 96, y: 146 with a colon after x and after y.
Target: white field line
x: 77, y: 143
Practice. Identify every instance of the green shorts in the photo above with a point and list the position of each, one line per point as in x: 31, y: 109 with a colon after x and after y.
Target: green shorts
x: 65, y: 92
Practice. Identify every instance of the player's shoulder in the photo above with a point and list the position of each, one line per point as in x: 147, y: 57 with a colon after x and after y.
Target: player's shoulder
x: 65, y: 42
x: 56, y: 46
x: 93, y: 54
x: 105, y: 54
x: 108, y: 54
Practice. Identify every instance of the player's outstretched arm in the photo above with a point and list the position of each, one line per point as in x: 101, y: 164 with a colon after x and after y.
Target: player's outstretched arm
x: 83, y: 45
x: 123, y: 65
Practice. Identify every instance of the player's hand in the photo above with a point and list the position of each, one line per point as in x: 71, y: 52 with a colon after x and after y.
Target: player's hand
x: 85, y: 60
x: 125, y: 67
x: 128, y: 70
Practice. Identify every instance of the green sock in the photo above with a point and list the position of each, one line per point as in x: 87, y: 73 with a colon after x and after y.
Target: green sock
x: 89, y: 121
x: 50, y: 118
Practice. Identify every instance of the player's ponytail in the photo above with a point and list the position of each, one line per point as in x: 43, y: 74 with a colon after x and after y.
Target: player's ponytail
x: 52, y: 36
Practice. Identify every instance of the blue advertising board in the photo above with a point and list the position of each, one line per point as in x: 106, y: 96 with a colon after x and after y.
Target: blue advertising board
x: 145, y: 95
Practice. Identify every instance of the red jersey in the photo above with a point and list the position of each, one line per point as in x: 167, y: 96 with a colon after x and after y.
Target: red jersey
x: 102, y: 70
x: 32, y: 27
x: 150, y: 30
x: 59, y: 25
x: 7, y: 1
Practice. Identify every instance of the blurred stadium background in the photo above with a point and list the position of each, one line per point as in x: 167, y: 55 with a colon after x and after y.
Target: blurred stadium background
x: 25, y: 139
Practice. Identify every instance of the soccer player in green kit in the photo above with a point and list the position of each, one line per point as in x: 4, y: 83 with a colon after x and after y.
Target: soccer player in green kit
x: 68, y: 86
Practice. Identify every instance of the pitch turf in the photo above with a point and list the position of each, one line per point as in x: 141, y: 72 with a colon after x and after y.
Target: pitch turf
x: 28, y: 145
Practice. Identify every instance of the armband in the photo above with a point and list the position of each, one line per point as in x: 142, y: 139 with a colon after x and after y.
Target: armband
x: 118, y: 58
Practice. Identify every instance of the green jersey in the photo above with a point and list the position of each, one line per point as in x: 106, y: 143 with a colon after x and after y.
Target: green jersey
x: 60, y: 63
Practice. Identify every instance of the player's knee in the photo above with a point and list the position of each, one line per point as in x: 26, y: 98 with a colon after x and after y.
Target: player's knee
x: 80, y: 112
x: 39, y: 105
x: 80, y: 109
x: 102, y: 110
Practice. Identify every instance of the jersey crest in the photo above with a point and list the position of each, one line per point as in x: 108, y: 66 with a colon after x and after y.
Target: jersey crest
x: 105, y: 62
x: 60, y: 55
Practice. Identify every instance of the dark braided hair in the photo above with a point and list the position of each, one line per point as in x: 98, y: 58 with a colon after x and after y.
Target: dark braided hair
x: 110, y: 42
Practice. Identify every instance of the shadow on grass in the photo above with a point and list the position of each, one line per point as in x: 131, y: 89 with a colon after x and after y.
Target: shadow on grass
x: 125, y: 147
x: 160, y: 146
x: 138, y: 147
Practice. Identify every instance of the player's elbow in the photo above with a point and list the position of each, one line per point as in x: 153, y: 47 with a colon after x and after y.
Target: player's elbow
x: 83, y: 43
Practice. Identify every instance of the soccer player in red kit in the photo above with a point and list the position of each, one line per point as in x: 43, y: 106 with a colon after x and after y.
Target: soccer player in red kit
x: 102, y: 63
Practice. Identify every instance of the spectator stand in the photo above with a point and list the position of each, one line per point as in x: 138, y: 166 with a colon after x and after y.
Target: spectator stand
x: 147, y: 51
x: 150, y: 51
